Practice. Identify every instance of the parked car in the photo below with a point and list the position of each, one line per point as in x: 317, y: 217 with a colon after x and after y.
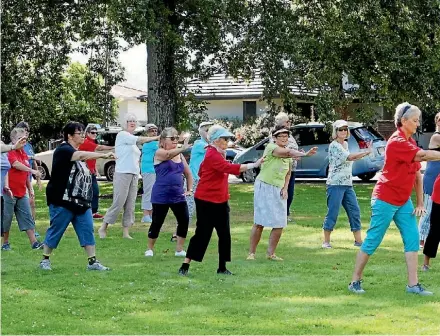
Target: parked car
x: 231, y: 153
x: 105, y: 167
x: 313, y: 134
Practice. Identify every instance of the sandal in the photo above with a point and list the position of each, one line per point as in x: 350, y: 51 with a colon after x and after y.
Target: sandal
x: 173, y: 238
x: 274, y: 257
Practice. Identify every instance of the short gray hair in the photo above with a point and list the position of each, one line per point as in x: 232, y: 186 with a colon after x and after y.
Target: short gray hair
x: 127, y: 117
x: 281, y: 118
x: 16, y: 134
x: 405, y: 110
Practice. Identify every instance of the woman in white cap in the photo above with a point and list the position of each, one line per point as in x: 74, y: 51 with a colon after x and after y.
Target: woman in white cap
x: 211, y: 198
x: 271, y: 191
x: 147, y: 170
x: 340, y: 185
x: 125, y: 181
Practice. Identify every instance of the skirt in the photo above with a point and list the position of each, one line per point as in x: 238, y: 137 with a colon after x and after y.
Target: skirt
x: 270, y: 210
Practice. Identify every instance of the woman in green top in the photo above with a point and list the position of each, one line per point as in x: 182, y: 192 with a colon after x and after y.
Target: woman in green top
x: 270, y: 191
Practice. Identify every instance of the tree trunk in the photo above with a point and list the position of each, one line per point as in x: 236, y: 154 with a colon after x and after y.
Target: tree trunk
x: 162, y: 91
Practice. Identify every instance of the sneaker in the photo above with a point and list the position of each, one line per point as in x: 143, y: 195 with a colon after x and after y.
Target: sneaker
x: 183, y: 272
x: 180, y: 253
x: 97, y: 266
x: 45, y: 265
x: 97, y: 216
x: 37, y: 245
x: 425, y: 268
x: 6, y: 247
x: 356, y: 287
x: 418, y: 289
x: 251, y: 256
x: 149, y: 253
x: 146, y: 219
x: 274, y: 258
x: 225, y: 272
x: 357, y: 244
x: 326, y: 245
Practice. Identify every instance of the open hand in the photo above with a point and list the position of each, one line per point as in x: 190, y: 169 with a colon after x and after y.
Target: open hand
x: 36, y: 173
x: 419, y: 211
x: 186, y: 144
x: 312, y: 151
x: 20, y: 143
x: 110, y: 156
x: 284, y: 193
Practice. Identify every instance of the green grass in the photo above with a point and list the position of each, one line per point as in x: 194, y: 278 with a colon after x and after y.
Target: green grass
x: 305, y: 294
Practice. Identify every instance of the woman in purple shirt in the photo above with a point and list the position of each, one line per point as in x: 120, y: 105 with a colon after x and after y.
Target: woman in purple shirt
x: 170, y: 166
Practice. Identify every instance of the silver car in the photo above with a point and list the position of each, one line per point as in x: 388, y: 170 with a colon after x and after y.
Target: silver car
x: 313, y: 134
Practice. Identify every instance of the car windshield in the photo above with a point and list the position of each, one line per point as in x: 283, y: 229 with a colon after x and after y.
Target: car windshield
x: 367, y: 133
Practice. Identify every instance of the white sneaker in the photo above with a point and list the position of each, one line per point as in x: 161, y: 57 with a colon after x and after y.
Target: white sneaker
x: 149, y: 253
x: 180, y: 253
x: 326, y: 245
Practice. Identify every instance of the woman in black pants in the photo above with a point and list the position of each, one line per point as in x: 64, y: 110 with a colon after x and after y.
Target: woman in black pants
x: 433, y: 239
x: 211, y: 200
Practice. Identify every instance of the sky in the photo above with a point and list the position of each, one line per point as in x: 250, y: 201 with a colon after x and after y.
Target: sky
x: 133, y: 60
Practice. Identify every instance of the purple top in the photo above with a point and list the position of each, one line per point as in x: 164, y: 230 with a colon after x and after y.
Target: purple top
x: 168, y: 188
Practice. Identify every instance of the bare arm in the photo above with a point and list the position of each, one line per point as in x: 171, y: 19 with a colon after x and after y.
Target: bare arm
x: 83, y: 155
x: 418, y: 186
x: 291, y: 153
x: 30, y: 188
x: 287, y: 179
x: 165, y: 155
x: 18, y: 145
x: 357, y: 156
x: 188, y: 175
x: 18, y: 165
x: 427, y: 155
x: 141, y: 139
x: 434, y: 142
x: 103, y: 147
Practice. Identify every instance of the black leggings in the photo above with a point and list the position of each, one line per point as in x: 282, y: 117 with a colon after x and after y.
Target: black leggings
x: 433, y: 239
x: 160, y: 211
x: 209, y: 216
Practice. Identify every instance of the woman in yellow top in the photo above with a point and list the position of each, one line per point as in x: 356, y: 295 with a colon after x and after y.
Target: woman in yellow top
x: 270, y: 191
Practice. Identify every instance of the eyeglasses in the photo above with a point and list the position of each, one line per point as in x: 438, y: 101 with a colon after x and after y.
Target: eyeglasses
x: 342, y: 129
x: 226, y: 138
x: 172, y: 138
x: 132, y: 121
x: 93, y: 132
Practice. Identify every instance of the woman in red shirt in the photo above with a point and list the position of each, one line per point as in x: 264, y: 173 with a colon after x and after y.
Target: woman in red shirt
x: 211, y: 199
x: 391, y: 198
x: 433, y: 239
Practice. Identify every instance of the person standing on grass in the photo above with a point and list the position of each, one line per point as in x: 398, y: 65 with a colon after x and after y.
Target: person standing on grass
x: 125, y: 180
x: 170, y: 165
x: 433, y: 239
x: 148, y: 173
x: 271, y: 191
x: 431, y: 173
x: 340, y: 185
x: 29, y: 150
x: 16, y: 199
x: 90, y: 145
x: 69, y: 196
x: 211, y: 199
x: 391, y: 199
x: 282, y: 120
x: 5, y: 167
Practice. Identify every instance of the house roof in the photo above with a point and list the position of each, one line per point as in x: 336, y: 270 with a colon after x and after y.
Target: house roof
x: 220, y: 86
x: 126, y: 93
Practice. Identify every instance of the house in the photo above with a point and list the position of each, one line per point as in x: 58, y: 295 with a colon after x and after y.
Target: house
x: 241, y: 99
x: 128, y: 102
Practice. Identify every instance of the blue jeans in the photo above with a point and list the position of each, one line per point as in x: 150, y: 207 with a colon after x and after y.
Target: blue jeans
x: 60, y: 218
x: 338, y: 195
x: 95, y: 191
x: 382, y: 213
x: 290, y: 192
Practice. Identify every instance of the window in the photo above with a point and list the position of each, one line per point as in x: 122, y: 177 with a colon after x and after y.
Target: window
x: 249, y: 110
x: 311, y: 136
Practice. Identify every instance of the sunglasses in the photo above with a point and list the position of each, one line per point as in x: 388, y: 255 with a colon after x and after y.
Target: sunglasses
x: 173, y: 138
x: 132, y: 121
x: 342, y: 129
x: 93, y: 132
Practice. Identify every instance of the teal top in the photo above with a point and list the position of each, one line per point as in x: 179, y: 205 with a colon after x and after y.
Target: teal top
x: 198, y: 152
x: 148, y: 151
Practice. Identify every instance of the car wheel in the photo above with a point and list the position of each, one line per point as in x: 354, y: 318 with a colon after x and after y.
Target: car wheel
x: 249, y: 176
x: 110, y: 171
x: 43, y: 171
x: 367, y: 176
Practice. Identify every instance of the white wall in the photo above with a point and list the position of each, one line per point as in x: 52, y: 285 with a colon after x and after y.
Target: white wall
x: 139, y: 109
x: 234, y: 108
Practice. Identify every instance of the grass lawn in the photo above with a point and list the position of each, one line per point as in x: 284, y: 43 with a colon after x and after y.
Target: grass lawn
x: 305, y: 294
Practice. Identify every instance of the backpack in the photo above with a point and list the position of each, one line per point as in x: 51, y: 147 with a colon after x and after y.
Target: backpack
x: 79, y: 186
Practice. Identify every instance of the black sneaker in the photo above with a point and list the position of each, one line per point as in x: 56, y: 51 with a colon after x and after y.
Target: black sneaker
x: 183, y: 272
x: 225, y: 272
x: 37, y: 245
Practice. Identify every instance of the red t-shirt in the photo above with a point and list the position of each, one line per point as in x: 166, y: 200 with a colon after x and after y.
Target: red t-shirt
x: 89, y: 145
x: 399, y: 172
x: 214, y: 172
x: 435, y: 197
x: 17, y: 178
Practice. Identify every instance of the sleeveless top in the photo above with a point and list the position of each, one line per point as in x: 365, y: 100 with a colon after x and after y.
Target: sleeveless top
x: 431, y: 173
x: 168, y: 188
